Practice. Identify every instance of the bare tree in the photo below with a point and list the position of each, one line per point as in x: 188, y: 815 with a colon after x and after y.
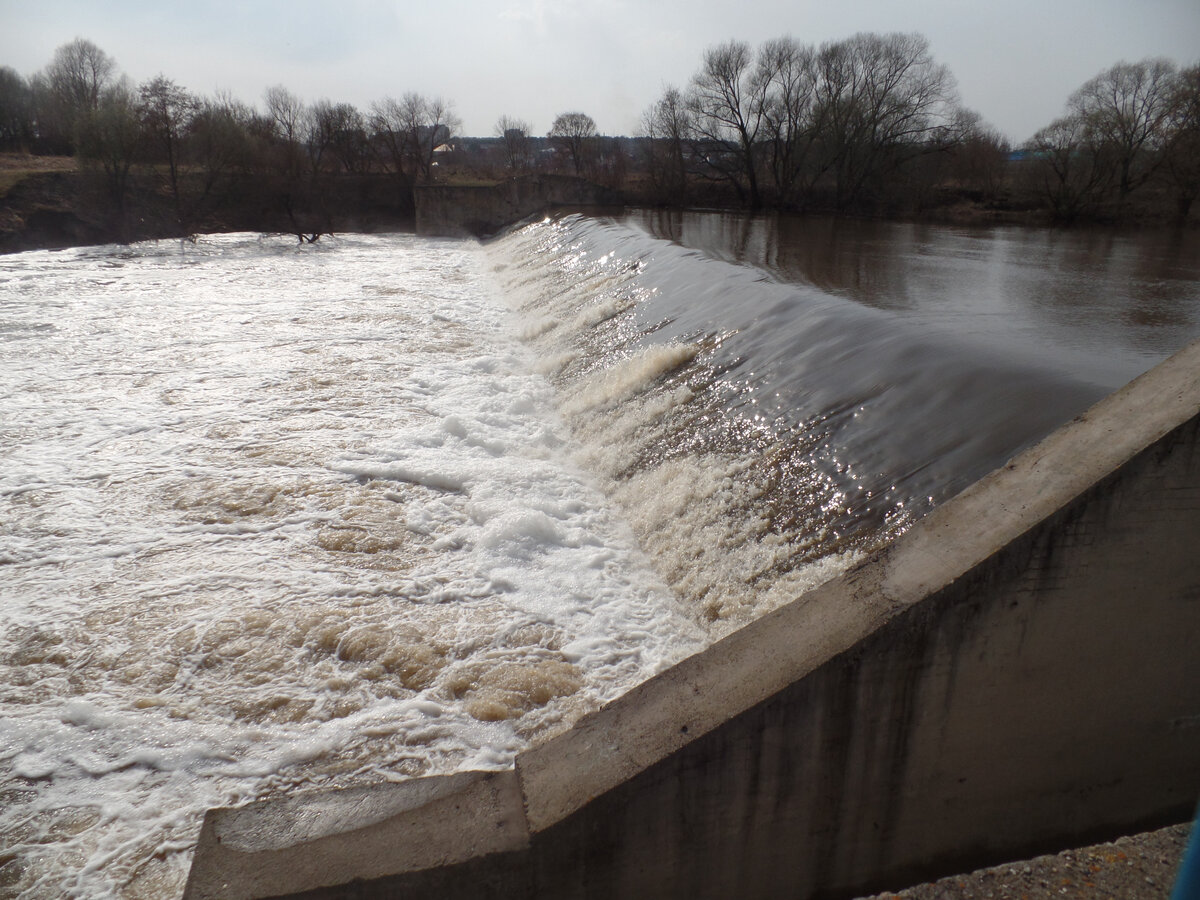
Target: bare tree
x: 882, y: 100
x: 666, y: 125
x: 514, y: 133
x: 1075, y: 170
x: 853, y: 112
x: 440, y: 126
x: 300, y: 139
x: 70, y: 88
x: 727, y: 106
x: 16, y: 111
x: 166, y: 110
x: 410, y: 130
x: 286, y: 115
x: 350, y: 146
x: 572, y: 133
x: 286, y: 112
x: 1127, y: 109
x: 110, y: 140
x: 220, y: 133
x: 979, y: 159
x: 390, y: 135
x: 786, y: 74
x: 220, y: 146
x: 336, y: 138
x: 79, y: 73
x: 1183, y: 140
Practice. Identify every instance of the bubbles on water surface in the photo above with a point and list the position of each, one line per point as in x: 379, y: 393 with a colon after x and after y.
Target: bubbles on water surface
x: 759, y: 436
x: 275, y: 520
x: 730, y: 504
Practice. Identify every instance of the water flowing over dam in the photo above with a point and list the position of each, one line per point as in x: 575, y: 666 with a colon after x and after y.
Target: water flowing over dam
x: 796, y: 429
x: 275, y: 518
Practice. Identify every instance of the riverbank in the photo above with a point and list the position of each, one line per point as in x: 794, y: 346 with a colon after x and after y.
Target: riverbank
x: 49, y: 203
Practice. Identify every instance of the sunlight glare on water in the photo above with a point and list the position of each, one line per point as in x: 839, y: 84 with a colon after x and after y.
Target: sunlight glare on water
x: 758, y: 436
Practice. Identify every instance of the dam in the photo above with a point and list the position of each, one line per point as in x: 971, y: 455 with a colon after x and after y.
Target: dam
x: 581, y: 559
x: 1014, y: 674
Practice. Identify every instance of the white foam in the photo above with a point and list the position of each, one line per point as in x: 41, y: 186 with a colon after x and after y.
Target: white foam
x: 272, y: 522
x: 628, y: 376
x: 649, y: 417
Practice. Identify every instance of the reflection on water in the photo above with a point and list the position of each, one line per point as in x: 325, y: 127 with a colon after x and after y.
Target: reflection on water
x: 1098, y: 305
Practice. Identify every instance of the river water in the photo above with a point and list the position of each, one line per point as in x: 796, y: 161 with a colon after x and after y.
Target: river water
x: 275, y: 518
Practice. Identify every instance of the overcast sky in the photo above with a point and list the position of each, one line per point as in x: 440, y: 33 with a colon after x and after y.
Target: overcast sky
x: 1015, y: 62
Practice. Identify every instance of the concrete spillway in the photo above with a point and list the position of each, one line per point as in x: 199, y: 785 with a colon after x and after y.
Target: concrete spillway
x: 1018, y: 672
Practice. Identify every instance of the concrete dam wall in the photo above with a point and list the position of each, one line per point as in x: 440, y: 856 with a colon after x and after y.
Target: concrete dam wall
x: 1017, y: 673
x: 444, y: 210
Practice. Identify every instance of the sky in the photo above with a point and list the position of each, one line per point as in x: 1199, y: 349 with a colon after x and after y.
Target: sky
x: 1015, y: 62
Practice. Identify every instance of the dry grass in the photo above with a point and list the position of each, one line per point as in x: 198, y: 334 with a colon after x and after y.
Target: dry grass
x: 16, y: 166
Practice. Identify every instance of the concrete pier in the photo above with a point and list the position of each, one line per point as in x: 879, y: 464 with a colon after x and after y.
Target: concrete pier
x: 1016, y: 674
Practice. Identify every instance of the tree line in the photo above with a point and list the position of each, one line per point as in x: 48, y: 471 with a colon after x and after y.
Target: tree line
x: 871, y: 120
x: 795, y: 124
x: 195, y: 148
x: 871, y: 123
x: 1126, y: 128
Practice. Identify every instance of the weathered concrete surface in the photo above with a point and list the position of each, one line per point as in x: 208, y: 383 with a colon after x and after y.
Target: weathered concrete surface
x: 1016, y: 674
x: 479, y: 210
x: 329, y: 838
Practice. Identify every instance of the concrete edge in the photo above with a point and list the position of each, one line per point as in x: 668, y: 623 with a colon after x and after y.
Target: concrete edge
x: 663, y: 714
x: 327, y: 838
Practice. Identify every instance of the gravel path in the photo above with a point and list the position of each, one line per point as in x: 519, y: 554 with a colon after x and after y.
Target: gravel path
x: 1139, y: 867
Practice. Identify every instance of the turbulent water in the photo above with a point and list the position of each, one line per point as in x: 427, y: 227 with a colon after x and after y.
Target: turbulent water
x: 760, y: 435
x: 278, y: 517
x: 275, y: 518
